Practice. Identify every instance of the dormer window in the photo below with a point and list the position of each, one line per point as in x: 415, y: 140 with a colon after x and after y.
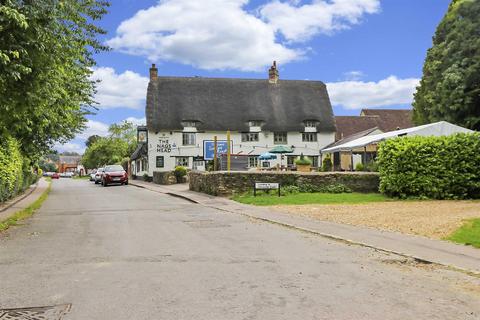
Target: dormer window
x: 254, y: 123
x: 311, y: 124
x: 189, y: 124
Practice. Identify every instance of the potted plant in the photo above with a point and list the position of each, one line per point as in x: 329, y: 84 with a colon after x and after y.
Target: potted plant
x: 303, y: 164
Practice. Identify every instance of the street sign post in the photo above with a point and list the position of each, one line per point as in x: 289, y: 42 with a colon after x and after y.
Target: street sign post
x: 266, y: 186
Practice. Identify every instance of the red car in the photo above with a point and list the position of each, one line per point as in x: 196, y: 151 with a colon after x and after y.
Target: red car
x: 114, y: 174
x: 55, y: 176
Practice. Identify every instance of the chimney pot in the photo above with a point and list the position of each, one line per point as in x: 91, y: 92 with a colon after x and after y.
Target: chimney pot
x: 153, y: 72
x: 273, y: 73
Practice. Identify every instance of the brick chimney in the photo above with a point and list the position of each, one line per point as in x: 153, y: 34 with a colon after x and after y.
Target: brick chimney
x: 153, y: 72
x: 273, y: 73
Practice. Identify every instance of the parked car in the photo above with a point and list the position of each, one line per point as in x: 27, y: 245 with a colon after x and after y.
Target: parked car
x: 114, y: 174
x: 98, y: 175
x: 55, y: 176
x: 92, y: 175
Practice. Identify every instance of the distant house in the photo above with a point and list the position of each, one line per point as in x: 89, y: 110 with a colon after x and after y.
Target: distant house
x: 184, y: 114
x: 69, y: 164
x: 369, y: 122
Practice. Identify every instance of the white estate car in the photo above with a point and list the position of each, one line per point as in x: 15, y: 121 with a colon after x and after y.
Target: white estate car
x: 98, y: 175
x: 92, y: 175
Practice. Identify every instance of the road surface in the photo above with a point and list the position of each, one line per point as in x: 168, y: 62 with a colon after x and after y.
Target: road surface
x: 128, y: 253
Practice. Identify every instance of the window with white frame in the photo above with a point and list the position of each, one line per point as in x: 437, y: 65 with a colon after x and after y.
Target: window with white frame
x: 249, y: 136
x: 309, y: 136
x: 188, y: 139
x: 252, y: 161
x: 181, y: 161
x: 310, y: 124
x: 279, y: 137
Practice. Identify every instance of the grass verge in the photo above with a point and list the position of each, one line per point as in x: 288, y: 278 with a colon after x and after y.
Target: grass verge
x: 311, y: 198
x: 25, y: 213
x: 468, y: 234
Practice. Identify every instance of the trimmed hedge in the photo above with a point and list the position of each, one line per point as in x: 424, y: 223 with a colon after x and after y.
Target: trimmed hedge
x: 446, y: 167
x: 15, y: 175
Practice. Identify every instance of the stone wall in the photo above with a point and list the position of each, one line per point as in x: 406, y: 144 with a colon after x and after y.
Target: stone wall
x: 164, y: 177
x: 227, y: 183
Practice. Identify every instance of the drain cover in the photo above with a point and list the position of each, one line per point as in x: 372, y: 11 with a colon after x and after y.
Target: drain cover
x: 35, y: 313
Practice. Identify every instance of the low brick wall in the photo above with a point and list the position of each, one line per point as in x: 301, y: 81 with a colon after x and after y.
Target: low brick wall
x: 227, y: 183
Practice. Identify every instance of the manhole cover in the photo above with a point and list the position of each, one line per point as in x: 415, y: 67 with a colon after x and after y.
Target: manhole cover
x: 35, y: 313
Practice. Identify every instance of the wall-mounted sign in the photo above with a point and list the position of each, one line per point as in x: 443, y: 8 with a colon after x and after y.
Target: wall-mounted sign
x: 142, y: 134
x: 208, y: 148
x: 164, y: 145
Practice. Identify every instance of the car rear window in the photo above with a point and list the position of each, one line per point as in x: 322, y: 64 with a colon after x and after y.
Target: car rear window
x: 113, y: 168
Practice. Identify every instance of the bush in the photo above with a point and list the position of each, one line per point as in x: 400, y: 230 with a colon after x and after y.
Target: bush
x: 327, y: 164
x: 431, y: 167
x: 372, y: 166
x: 179, y: 173
x: 147, y: 178
x: 15, y: 173
x: 303, y: 161
x: 359, y: 167
x: 289, y: 190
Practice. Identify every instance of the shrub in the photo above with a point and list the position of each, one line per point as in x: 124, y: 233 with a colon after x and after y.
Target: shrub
x: 302, y: 161
x: 289, y: 190
x: 359, y: 167
x: 327, y: 164
x: 147, y: 178
x: 179, y: 173
x: 372, y: 166
x: 431, y: 167
x: 15, y: 173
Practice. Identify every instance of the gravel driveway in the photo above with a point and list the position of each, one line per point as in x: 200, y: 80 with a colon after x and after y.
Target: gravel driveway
x: 433, y: 219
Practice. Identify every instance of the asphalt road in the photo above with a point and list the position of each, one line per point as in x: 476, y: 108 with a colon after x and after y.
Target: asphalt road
x: 127, y: 253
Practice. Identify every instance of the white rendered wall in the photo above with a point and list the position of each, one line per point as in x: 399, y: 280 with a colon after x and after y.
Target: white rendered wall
x: 172, y: 146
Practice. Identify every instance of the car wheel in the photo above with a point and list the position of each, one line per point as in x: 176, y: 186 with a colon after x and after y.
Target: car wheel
x: 96, y: 182
x: 104, y: 183
x: 126, y: 183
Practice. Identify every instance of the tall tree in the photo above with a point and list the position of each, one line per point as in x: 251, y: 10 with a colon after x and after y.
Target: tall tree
x: 450, y: 86
x: 46, y: 59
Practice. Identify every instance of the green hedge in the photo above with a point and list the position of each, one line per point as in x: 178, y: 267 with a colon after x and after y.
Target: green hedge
x: 15, y: 174
x: 445, y: 167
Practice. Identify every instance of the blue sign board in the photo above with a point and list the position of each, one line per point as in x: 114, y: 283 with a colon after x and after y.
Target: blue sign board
x: 208, y: 148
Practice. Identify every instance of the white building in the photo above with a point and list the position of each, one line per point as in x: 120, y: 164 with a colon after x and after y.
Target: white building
x: 185, y: 114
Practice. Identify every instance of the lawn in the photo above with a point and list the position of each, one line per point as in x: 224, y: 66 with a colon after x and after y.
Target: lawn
x: 468, y: 234
x: 87, y: 177
x: 310, y: 198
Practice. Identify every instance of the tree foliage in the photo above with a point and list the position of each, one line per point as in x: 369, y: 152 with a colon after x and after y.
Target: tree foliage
x: 113, y: 149
x: 450, y: 86
x: 46, y: 59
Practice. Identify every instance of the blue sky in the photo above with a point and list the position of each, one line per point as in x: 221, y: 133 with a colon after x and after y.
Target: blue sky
x: 369, y: 52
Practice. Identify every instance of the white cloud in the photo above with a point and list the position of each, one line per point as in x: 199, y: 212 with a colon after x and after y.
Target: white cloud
x: 353, y: 75
x: 94, y: 128
x: 70, y: 147
x: 221, y: 34
x: 115, y: 90
x: 301, y: 22
x: 359, y: 94
x: 137, y: 121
